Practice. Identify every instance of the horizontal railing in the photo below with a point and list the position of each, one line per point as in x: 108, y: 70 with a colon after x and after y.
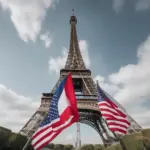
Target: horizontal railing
x: 86, y: 97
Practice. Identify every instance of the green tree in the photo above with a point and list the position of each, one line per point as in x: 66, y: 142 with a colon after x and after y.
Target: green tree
x: 146, y: 138
x: 68, y: 147
x: 16, y: 141
x: 4, y: 135
x: 99, y: 147
x: 51, y: 146
x: 87, y: 147
x: 30, y: 147
x: 58, y: 147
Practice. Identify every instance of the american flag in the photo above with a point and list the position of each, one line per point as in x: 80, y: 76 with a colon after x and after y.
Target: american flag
x: 62, y: 113
x: 116, y: 119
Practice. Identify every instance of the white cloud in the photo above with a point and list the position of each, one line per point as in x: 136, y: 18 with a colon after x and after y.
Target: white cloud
x: 106, y: 85
x: 84, y: 52
x: 135, y: 78
x: 141, y: 114
x: 117, y: 5
x: 15, y: 109
x: 27, y: 16
x: 55, y: 64
x: 46, y: 39
x: 142, y: 5
x: 138, y: 5
x: 132, y: 85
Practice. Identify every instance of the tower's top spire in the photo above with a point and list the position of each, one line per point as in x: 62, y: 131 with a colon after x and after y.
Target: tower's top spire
x: 73, y: 18
x: 74, y: 60
x: 72, y: 12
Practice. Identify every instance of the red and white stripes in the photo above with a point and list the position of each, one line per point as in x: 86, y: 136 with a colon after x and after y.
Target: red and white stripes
x: 116, y: 119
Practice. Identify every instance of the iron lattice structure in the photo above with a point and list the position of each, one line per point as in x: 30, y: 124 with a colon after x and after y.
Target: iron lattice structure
x: 86, y: 94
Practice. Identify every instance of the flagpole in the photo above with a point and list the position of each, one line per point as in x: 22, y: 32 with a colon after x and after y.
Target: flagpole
x: 27, y: 144
x: 30, y: 139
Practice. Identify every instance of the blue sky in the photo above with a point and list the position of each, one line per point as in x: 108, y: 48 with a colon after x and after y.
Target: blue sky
x: 35, y: 34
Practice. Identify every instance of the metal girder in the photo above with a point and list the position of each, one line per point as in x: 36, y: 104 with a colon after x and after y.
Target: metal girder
x: 90, y: 124
x: 95, y: 126
x: 93, y: 119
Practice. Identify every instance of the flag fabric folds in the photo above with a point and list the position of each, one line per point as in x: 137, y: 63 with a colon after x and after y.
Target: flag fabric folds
x: 116, y: 119
x: 62, y: 113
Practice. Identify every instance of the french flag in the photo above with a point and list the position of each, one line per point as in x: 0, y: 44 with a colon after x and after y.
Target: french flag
x: 62, y: 113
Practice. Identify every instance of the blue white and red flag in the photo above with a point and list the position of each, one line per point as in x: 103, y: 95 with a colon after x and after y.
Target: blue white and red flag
x: 115, y: 117
x: 62, y: 113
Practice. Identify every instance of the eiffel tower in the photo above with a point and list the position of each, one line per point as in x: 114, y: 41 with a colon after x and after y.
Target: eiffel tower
x: 86, y: 94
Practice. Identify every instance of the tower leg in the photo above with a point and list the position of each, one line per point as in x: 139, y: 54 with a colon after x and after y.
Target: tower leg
x: 96, y: 122
x: 33, y: 124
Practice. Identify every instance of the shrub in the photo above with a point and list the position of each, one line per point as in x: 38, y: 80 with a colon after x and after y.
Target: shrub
x: 132, y: 142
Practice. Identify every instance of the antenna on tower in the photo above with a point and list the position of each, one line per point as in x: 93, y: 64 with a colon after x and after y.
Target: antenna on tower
x: 78, y: 138
x: 73, y: 12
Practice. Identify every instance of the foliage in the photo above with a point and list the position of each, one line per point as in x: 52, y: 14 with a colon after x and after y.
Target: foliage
x: 114, y: 147
x: 87, y: 147
x: 131, y: 142
x: 16, y: 141
x: 146, y: 138
x: 136, y: 141
x: 58, y: 147
x: 12, y: 141
x: 4, y: 135
x: 51, y: 146
x: 99, y: 147
x: 68, y: 147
